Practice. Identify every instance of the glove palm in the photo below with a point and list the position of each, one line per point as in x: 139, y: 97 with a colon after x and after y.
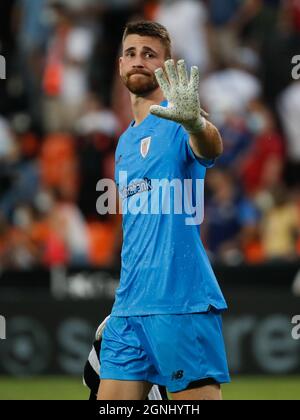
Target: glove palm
x: 182, y: 95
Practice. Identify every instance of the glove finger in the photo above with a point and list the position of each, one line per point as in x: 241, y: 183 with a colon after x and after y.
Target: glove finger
x: 195, y: 79
x: 171, y: 72
x: 163, y: 82
x: 195, y: 82
x: 100, y: 329
x: 182, y: 73
x: 204, y: 113
x: 162, y: 112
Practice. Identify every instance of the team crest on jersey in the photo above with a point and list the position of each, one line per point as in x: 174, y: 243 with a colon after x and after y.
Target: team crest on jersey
x: 145, y: 146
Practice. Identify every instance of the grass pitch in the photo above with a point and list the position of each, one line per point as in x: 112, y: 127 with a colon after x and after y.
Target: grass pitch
x: 64, y: 388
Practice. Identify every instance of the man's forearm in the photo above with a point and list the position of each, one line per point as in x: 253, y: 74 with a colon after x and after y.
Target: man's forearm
x: 184, y: 107
x: 207, y: 143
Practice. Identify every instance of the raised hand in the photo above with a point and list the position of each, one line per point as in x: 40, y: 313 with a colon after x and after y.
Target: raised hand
x: 182, y: 95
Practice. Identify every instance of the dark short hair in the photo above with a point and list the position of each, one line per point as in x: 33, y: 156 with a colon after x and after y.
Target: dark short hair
x: 151, y: 29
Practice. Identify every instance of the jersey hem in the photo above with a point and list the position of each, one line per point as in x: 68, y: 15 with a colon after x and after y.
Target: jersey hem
x: 164, y: 311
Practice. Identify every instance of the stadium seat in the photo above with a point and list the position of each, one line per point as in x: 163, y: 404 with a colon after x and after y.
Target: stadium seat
x: 101, y: 238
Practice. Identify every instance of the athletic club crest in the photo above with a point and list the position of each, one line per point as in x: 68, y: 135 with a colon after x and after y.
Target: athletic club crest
x: 145, y: 146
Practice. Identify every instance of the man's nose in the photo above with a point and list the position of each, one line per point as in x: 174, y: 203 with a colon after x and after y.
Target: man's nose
x: 138, y: 63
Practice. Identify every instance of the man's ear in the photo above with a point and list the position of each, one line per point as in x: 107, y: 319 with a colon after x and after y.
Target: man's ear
x: 120, y: 65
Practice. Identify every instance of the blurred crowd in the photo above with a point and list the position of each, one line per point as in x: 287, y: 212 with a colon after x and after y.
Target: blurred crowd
x: 63, y: 107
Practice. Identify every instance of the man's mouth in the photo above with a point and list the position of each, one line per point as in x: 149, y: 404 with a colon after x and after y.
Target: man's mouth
x: 139, y: 74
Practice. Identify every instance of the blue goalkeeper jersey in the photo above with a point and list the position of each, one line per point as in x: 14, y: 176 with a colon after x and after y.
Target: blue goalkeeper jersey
x: 165, y: 269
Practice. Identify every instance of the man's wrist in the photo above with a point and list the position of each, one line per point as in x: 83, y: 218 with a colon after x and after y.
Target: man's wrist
x: 197, y: 126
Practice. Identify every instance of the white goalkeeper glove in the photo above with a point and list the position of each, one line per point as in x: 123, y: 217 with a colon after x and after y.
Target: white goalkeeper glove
x: 100, y: 329
x: 182, y: 95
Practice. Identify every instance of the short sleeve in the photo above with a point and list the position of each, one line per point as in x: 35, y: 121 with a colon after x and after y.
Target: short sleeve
x: 188, y: 153
x: 248, y: 214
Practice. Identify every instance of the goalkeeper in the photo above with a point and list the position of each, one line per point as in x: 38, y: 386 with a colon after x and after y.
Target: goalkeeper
x: 166, y: 323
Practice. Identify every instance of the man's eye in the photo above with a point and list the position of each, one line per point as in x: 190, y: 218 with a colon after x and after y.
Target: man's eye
x: 130, y: 54
x: 149, y: 55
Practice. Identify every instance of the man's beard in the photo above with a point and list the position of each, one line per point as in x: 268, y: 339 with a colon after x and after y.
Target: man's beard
x: 143, y: 86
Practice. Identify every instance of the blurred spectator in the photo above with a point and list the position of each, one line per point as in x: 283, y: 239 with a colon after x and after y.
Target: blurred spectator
x: 230, y: 90
x: 279, y: 44
x: 226, y: 94
x: 96, y: 118
x: 237, y: 140
x: 19, y: 177
x: 228, y: 18
x: 104, y: 62
x: 70, y: 232
x: 150, y: 8
x: 291, y: 8
x: 281, y: 227
x: 265, y: 14
x: 18, y: 250
x: 189, y: 40
x: 7, y: 142
x: 33, y: 28
x: 262, y: 167
x: 289, y: 111
x: 66, y: 72
x: 59, y: 164
x: 229, y: 217
x: 97, y: 132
